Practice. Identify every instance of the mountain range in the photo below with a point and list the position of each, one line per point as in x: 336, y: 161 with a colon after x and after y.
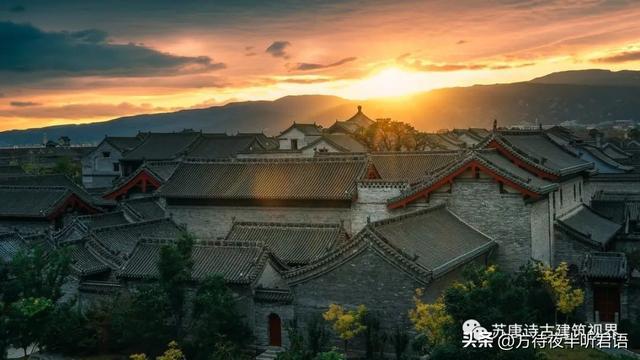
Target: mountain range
x: 583, y: 96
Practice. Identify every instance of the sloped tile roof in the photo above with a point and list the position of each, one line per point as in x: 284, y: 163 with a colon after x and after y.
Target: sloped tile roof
x: 488, y: 158
x: 602, y: 156
x: 162, y: 146
x: 588, y: 225
x: 274, y: 179
x: 538, y: 150
x: 146, y: 208
x: 360, y: 119
x: 292, y: 243
x: 237, y: 262
x: 434, y: 238
x: 615, y: 152
x: 216, y: 146
x: 53, y: 180
x: 84, y: 262
x: 605, y: 265
x: 10, y: 244
x: 342, y: 142
x: 11, y: 170
x: 119, y: 241
x: 124, y: 143
x: 101, y: 220
x: 307, y: 129
x: 28, y: 201
x: 410, y: 166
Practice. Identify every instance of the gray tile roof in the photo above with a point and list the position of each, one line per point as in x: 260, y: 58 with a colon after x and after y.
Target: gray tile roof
x: 602, y: 156
x: 124, y: 143
x: 29, y: 201
x: 589, y: 226
x: 53, y: 180
x: 11, y: 170
x: 307, y: 129
x: 237, y: 262
x: 294, y: 244
x: 342, y: 142
x: 216, y: 146
x: 537, y: 149
x: 84, y: 262
x: 146, y: 208
x: 434, y: 238
x: 162, y: 146
x: 114, y: 244
x: 493, y: 161
x: 275, y: 179
x: 101, y: 220
x: 605, y: 265
x: 410, y: 166
x: 10, y: 244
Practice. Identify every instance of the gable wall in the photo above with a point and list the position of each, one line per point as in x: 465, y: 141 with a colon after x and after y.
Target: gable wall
x: 97, y: 171
x: 216, y: 221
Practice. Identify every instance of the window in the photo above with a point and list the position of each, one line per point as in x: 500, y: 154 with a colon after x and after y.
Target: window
x: 116, y: 166
x: 106, y: 154
x: 561, y: 196
x: 580, y: 188
x: 294, y: 144
x: 575, y: 193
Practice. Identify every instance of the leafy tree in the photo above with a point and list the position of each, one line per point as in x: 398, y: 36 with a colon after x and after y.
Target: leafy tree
x: 388, y: 135
x: 557, y: 281
x: 173, y: 352
x: 375, y: 337
x: 69, y: 331
x: 430, y: 319
x: 347, y: 324
x: 217, y: 324
x: 317, y: 334
x: 400, y: 340
x: 330, y: 355
x: 27, y: 322
x: 67, y: 167
x: 634, y: 134
x: 37, y: 273
x: 175, y: 267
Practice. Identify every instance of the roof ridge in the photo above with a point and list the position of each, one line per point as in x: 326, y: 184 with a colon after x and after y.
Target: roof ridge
x: 330, y: 158
x: 134, y: 224
x: 287, y: 224
x: 393, y: 219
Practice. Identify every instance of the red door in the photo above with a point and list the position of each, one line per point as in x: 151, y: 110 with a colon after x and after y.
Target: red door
x: 275, y: 330
x: 606, y: 300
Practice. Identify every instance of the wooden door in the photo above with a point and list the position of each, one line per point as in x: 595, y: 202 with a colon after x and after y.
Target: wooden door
x: 275, y: 330
x: 606, y: 300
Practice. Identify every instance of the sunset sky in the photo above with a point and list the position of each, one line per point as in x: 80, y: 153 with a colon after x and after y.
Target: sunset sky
x: 78, y: 61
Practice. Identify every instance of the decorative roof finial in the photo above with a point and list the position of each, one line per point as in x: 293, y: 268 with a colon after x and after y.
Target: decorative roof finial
x: 359, y: 108
x: 495, y: 125
x: 368, y: 219
x: 540, y: 126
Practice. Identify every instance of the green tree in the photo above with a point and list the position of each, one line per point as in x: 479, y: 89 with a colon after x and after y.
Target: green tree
x: 388, y: 135
x: 557, y: 281
x: 175, y: 267
x: 346, y: 323
x: 67, y: 167
x: 28, y: 318
x: 217, y: 324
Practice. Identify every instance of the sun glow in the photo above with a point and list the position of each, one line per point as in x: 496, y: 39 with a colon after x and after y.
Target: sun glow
x: 391, y: 82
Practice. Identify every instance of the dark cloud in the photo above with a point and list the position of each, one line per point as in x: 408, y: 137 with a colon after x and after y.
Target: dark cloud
x: 421, y: 65
x: 31, y: 52
x: 17, y: 9
x: 24, y: 103
x: 277, y: 49
x: 312, y: 66
x: 81, y: 111
x: 249, y: 51
x: 460, y: 42
x: 620, y: 57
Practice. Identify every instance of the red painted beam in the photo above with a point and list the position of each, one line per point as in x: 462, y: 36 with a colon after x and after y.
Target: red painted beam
x: 143, y: 180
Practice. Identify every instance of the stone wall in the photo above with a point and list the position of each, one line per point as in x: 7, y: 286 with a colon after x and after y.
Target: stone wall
x: 505, y: 217
x: 542, y: 231
x: 569, y: 250
x: 262, y: 310
x: 97, y: 170
x: 216, y: 221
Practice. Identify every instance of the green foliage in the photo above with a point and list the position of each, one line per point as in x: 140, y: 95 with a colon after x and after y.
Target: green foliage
x: 28, y: 319
x: 330, y: 355
x: 216, y: 324
x: 388, y: 135
x: 300, y: 348
x: 69, y: 331
x: 375, y: 337
x: 317, y: 334
x: 400, y: 339
x: 37, y: 273
x: 67, y: 167
x: 514, y: 297
x: 175, y: 267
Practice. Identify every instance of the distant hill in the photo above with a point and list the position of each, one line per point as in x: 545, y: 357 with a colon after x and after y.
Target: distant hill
x: 588, y: 96
x: 592, y: 77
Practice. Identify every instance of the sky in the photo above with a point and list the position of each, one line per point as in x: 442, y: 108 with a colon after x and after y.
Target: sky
x: 74, y: 61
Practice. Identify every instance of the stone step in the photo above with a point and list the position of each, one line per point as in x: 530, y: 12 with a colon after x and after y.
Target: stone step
x: 270, y: 354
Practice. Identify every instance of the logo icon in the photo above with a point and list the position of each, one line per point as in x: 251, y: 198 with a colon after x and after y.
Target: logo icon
x: 475, y: 335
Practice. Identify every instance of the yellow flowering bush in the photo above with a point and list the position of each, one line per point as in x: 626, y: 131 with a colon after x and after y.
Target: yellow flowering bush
x: 346, y: 324
x: 430, y: 319
x: 566, y: 298
x: 172, y: 353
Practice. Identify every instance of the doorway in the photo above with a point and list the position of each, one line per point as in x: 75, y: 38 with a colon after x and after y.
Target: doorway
x: 275, y: 330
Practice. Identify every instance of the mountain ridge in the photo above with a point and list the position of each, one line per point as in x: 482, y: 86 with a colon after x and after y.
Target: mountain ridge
x: 584, y: 96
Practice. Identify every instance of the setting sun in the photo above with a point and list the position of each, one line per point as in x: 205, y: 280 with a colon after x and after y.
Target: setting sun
x: 391, y: 82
